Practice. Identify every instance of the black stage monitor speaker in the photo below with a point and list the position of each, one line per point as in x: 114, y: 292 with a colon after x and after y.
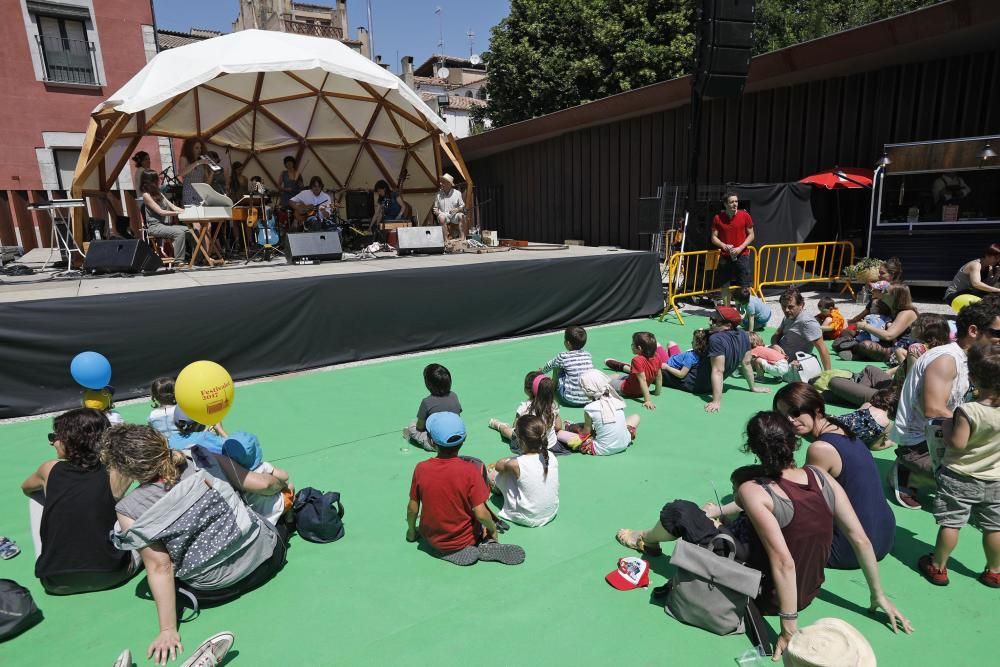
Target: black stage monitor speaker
x: 360, y: 205
x: 307, y: 246
x: 724, y: 47
x: 124, y: 256
x: 428, y: 240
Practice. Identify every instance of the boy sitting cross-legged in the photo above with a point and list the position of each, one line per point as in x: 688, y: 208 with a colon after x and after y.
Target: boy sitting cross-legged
x: 449, y: 494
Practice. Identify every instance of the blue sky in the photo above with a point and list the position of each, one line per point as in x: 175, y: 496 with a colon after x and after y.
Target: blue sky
x: 406, y: 27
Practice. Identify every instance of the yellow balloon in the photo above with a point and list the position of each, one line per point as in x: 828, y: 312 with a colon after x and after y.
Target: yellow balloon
x: 204, y: 391
x: 963, y: 300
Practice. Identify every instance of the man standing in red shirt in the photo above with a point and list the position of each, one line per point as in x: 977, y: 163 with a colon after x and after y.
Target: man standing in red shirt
x: 732, y: 233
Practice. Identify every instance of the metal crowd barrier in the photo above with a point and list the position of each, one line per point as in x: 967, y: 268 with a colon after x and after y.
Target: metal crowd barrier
x: 693, y: 273
x: 797, y: 263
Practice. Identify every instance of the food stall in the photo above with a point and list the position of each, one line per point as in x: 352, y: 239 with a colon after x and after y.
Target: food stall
x: 935, y: 205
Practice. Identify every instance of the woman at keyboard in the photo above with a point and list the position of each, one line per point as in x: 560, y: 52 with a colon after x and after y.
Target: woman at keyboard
x: 159, y: 213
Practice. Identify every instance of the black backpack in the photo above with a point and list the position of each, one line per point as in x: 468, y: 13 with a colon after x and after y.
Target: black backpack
x: 18, y: 611
x: 318, y: 516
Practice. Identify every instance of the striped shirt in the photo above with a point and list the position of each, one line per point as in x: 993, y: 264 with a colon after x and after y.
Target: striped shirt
x: 573, y: 364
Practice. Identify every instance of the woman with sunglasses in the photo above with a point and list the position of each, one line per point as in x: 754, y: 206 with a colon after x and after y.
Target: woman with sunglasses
x: 78, y: 495
x: 835, y: 449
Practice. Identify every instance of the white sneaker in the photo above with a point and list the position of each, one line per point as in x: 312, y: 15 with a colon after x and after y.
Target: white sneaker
x: 124, y: 659
x: 212, y: 651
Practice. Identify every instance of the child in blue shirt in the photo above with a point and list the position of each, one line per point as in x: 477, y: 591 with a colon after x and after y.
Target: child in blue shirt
x: 755, y: 312
x: 680, y: 364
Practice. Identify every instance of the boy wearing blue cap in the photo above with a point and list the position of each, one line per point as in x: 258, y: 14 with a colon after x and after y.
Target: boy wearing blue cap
x: 449, y: 494
x: 244, y: 448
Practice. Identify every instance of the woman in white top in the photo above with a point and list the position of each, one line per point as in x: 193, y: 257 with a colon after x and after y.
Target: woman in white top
x: 529, y: 483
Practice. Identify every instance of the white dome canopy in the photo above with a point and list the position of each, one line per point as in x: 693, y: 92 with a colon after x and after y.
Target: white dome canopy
x: 261, y: 96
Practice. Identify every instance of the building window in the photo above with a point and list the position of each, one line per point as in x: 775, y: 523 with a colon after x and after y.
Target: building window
x: 67, y: 55
x: 65, y: 162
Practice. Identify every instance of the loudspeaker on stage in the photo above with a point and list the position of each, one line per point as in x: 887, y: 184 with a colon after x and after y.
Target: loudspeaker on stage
x: 322, y: 246
x: 427, y: 240
x: 121, y: 256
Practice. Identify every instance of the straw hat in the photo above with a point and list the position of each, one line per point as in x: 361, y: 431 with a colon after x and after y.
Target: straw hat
x: 449, y: 178
x: 829, y: 642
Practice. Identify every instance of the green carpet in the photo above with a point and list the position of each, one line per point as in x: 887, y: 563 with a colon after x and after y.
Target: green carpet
x: 374, y: 599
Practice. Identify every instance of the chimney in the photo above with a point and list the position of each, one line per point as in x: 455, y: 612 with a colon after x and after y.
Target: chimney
x: 342, y: 17
x: 378, y: 60
x: 407, y: 70
x: 363, y: 38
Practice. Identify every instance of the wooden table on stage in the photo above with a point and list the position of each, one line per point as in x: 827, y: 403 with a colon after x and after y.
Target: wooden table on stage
x: 204, y: 238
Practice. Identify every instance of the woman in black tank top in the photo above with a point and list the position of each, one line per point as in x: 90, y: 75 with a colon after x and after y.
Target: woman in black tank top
x: 78, y: 495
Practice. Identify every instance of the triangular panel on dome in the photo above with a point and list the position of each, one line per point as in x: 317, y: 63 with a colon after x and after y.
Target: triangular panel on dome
x: 392, y: 158
x: 114, y: 154
x: 328, y: 125
x: 345, y: 86
x: 418, y: 177
x: 411, y: 132
x: 180, y: 120
x: 357, y: 113
x: 366, y: 173
x: 384, y: 130
x: 214, y: 108
x: 240, y: 85
x: 339, y: 158
x: 279, y: 84
x: 313, y: 77
x: 294, y: 113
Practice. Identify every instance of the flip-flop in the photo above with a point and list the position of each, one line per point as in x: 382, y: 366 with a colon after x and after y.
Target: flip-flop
x: 124, y: 659
x: 494, y: 552
x: 212, y: 651
x: 636, y: 542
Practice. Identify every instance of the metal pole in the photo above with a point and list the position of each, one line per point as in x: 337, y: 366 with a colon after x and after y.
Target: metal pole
x: 371, y: 30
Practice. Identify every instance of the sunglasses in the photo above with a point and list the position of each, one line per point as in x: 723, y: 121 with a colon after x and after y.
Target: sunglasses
x: 994, y: 333
x: 52, y: 438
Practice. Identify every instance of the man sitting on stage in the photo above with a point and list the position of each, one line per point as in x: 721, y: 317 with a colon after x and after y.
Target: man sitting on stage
x: 312, y: 206
x: 449, y: 208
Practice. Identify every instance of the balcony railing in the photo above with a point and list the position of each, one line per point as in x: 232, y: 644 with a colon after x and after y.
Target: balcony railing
x: 68, y: 60
x: 312, y: 29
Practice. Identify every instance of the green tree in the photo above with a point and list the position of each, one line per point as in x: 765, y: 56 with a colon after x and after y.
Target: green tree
x: 548, y: 55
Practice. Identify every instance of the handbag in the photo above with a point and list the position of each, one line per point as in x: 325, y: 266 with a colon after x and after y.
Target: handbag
x: 18, y: 611
x: 809, y: 366
x: 709, y: 591
x: 318, y: 516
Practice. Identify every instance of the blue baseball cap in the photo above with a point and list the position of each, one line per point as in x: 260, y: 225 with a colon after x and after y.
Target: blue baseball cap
x: 446, y: 429
x: 244, y: 448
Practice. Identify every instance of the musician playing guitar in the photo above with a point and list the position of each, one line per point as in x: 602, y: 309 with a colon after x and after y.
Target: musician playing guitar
x: 311, y: 206
x: 389, y: 205
x: 449, y: 208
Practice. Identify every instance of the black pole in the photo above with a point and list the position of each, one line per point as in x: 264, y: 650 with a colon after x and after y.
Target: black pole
x: 694, y: 147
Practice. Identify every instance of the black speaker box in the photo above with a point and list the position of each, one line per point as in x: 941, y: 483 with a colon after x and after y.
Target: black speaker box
x: 306, y: 246
x: 360, y: 205
x: 724, y: 47
x: 121, y: 256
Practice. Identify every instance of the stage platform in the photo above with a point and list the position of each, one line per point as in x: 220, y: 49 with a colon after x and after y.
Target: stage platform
x: 272, y: 317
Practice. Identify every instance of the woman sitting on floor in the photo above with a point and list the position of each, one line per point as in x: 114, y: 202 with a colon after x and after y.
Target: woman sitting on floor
x: 836, y: 450
x: 787, y: 532
x: 78, y: 498
x: 189, y: 524
x: 896, y: 334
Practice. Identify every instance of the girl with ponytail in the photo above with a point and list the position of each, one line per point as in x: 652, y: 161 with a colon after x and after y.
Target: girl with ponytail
x: 529, y: 482
x: 541, y: 403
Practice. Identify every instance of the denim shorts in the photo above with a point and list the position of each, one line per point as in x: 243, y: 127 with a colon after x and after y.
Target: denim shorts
x: 959, y: 497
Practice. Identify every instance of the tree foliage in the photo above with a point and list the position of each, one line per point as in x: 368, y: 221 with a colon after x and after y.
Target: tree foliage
x: 548, y: 55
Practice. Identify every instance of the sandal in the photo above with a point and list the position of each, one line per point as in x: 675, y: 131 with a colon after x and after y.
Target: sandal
x: 632, y: 539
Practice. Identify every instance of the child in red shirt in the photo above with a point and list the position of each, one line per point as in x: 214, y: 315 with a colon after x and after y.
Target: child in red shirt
x: 449, y: 495
x: 643, y: 372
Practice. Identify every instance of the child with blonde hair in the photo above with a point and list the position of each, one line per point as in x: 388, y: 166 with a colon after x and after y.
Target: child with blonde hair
x: 605, y: 429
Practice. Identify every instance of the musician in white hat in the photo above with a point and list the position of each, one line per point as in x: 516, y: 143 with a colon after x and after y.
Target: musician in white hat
x: 449, y: 208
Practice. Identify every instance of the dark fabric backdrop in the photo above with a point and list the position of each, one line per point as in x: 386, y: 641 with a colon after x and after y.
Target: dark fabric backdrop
x: 262, y: 328
x: 781, y: 212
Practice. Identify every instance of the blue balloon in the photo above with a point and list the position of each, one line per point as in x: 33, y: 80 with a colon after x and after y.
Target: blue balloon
x: 91, y: 370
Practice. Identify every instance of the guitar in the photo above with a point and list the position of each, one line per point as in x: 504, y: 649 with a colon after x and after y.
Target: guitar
x: 267, y: 233
x: 301, y: 214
